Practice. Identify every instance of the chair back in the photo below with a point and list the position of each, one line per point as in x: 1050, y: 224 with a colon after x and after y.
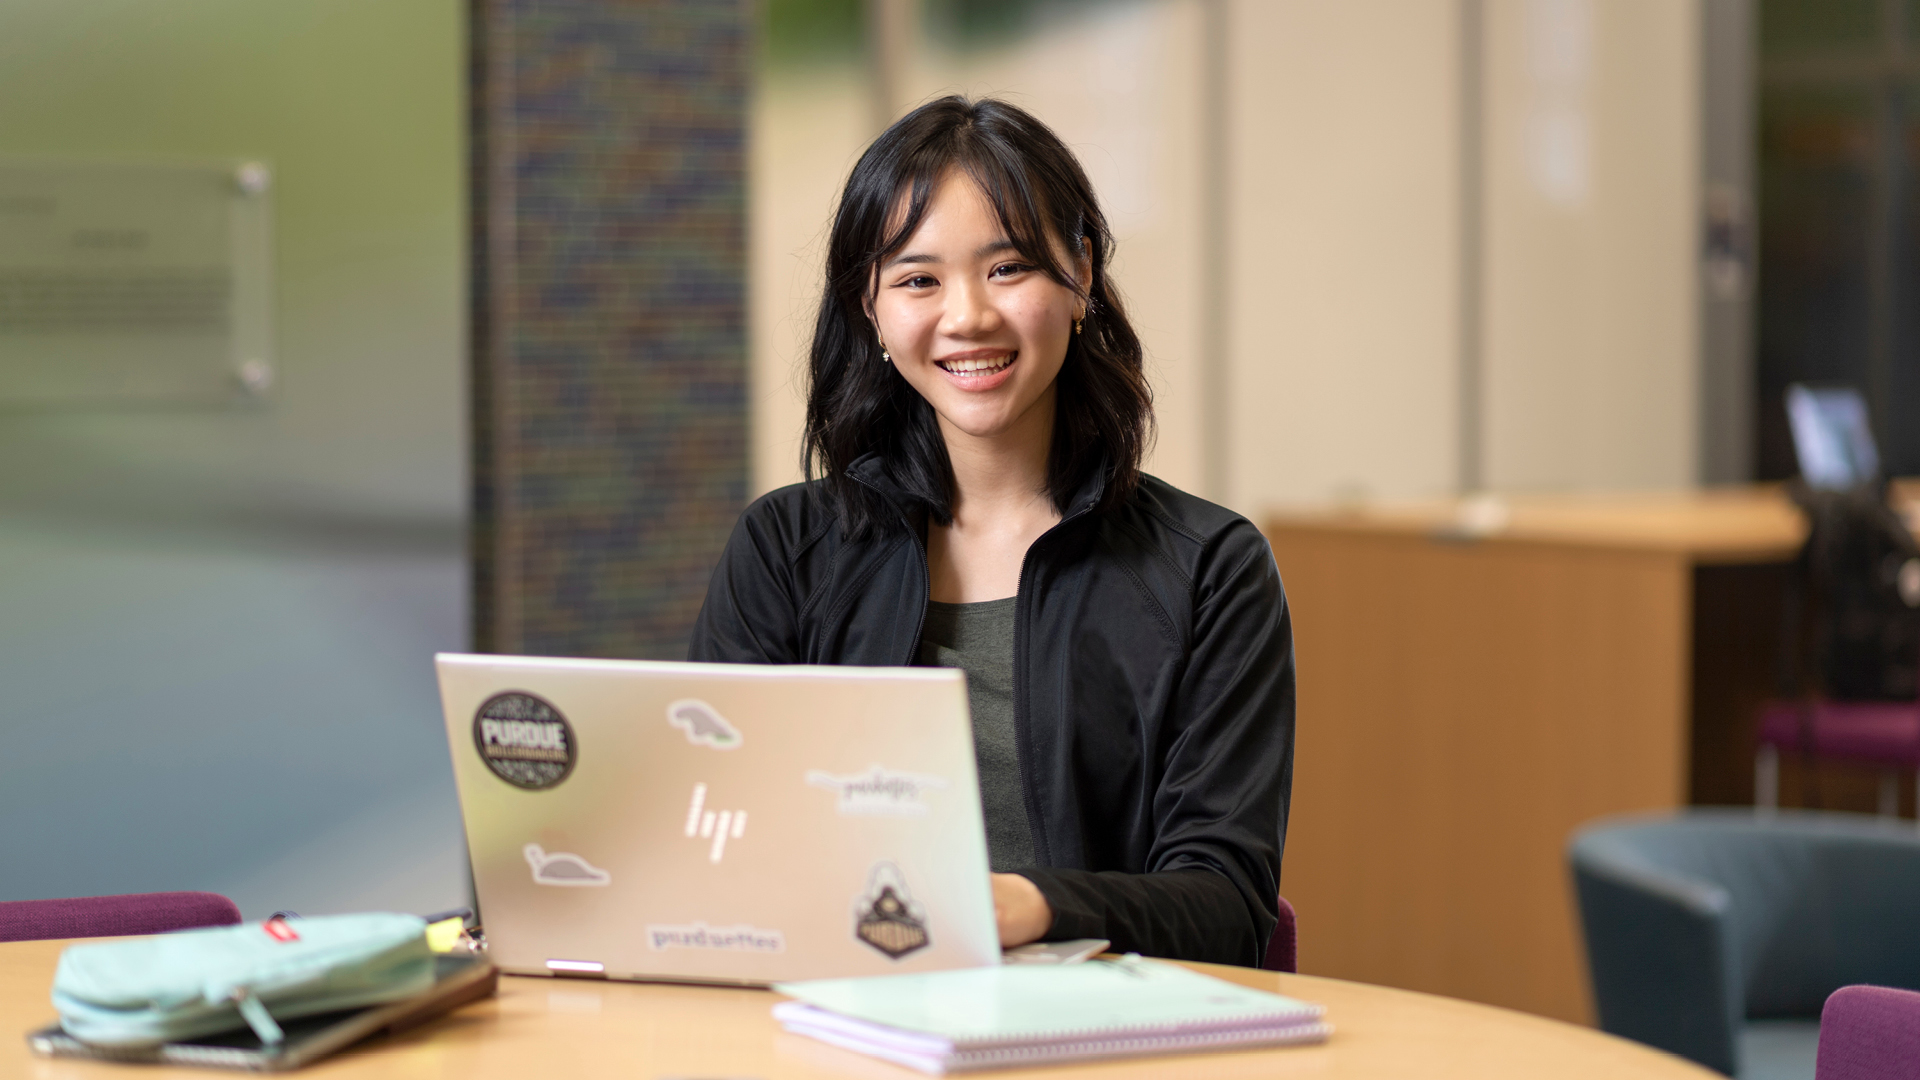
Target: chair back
x: 1812, y: 900
x: 113, y: 916
x: 1283, y: 948
x: 1697, y: 922
x: 1869, y: 1033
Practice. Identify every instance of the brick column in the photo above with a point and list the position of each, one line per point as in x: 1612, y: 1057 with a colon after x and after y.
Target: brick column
x: 609, y: 325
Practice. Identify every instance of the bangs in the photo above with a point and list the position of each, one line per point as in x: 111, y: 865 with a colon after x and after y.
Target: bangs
x: 998, y: 173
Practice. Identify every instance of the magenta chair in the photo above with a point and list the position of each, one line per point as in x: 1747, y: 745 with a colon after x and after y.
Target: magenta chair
x: 1878, y: 734
x: 113, y: 916
x: 1869, y: 1033
x: 1283, y: 948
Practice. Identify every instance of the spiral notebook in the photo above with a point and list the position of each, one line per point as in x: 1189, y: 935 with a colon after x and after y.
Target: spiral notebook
x: 997, y: 1017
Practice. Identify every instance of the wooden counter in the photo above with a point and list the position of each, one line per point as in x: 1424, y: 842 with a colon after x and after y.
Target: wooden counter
x: 1478, y: 681
x: 580, y: 1029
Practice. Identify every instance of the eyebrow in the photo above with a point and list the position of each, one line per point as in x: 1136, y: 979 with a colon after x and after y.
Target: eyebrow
x: 982, y: 252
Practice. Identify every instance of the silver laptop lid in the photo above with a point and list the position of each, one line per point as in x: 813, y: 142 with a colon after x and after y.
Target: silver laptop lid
x: 719, y: 822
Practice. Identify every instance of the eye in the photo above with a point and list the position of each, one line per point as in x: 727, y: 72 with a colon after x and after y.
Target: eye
x: 1009, y: 269
x: 917, y: 281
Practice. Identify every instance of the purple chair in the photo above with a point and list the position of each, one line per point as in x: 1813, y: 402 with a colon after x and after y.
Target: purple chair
x: 113, y: 916
x: 1879, y: 734
x: 1283, y: 948
x: 1869, y: 1033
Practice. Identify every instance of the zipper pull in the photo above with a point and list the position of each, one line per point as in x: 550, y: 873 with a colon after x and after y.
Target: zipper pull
x: 257, y: 1017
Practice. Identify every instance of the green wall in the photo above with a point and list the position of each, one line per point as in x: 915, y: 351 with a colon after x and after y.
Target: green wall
x: 216, y: 625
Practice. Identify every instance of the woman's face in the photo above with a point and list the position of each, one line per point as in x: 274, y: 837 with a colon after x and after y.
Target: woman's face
x: 976, y: 329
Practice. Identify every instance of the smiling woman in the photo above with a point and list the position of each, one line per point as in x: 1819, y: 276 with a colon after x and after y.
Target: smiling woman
x: 967, y: 235
x: 976, y: 418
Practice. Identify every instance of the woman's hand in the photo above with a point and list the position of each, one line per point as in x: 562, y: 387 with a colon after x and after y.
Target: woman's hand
x: 1020, y: 909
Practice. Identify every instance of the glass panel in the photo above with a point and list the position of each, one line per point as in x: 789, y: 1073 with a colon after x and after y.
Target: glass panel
x: 1900, y: 439
x: 1816, y: 159
x: 1793, y: 27
x: 976, y: 24
x: 807, y: 32
x: 129, y: 283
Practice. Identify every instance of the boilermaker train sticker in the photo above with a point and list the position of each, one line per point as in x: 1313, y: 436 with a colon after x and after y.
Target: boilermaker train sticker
x: 524, y: 740
x: 703, y: 724
x: 886, y: 917
x: 563, y: 868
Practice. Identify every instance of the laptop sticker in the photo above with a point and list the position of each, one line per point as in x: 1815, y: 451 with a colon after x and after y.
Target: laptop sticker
x: 740, y: 938
x: 524, y: 740
x: 886, y: 917
x: 713, y: 827
x: 703, y: 724
x: 563, y: 868
x: 878, y: 792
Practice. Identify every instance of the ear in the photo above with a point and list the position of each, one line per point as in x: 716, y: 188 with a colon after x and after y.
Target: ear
x: 1083, y: 269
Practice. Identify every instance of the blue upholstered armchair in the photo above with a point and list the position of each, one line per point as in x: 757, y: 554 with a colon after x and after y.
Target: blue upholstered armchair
x: 1718, y: 934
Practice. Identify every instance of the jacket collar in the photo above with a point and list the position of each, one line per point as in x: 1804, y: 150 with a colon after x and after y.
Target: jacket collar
x: 871, y: 469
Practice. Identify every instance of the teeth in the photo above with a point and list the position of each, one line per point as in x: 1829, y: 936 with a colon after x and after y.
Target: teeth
x: 977, y: 367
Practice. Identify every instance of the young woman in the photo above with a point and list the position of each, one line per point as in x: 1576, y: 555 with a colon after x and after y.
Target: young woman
x: 976, y: 416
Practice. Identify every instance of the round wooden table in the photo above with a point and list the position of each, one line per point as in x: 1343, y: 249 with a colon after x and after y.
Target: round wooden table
x: 569, y: 1029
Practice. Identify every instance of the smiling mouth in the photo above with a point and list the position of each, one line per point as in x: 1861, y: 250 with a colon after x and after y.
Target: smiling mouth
x: 978, y: 367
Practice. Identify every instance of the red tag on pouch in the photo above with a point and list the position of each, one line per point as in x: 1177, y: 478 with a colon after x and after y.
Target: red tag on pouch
x: 279, y: 930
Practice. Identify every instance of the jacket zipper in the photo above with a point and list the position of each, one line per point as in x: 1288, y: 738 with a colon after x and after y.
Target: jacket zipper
x: 1023, y: 728
x: 926, y: 572
x: 926, y: 594
x: 1022, y: 724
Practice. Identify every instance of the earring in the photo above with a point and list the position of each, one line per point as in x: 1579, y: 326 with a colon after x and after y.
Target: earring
x: 1076, y: 326
x: 885, y: 356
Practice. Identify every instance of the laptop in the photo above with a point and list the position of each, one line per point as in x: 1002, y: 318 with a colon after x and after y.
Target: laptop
x: 723, y: 823
x: 1831, y: 436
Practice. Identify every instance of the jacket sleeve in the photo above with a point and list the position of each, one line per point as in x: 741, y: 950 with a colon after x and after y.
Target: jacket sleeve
x: 1179, y: 914
x: 1212, y: 887
x: 750, y: 615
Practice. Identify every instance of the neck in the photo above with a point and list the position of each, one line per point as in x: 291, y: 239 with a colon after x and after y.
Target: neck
x: 1004, y: 475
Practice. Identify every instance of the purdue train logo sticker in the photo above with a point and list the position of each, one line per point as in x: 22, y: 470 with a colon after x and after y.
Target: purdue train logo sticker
x: 524, y: 740
x: 886, y: 917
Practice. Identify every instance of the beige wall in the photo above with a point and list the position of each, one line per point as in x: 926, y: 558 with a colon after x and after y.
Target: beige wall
x: 808, y: 129
x: 1344, y: 256
x: 1343, y: 250
x: 1591, y: 352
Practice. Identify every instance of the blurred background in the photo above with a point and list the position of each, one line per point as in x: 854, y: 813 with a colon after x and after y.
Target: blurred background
x: 1353, y: 280
x: 334, y: 333
x: 218, y: 608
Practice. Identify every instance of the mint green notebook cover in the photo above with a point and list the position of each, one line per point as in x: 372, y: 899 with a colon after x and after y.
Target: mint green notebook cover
x: 1012, y: 1003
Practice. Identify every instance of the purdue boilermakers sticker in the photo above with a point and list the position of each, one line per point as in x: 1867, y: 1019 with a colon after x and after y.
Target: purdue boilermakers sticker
x: 524, y: 740
x: 886, y: 917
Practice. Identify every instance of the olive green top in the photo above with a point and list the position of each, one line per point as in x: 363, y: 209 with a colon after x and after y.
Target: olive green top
x: 978, y: 639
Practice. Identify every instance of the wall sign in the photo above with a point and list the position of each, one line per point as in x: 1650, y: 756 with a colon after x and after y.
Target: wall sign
x: 127, y: 283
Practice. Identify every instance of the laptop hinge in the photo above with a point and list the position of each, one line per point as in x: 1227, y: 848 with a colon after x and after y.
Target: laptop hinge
x: 578, y: 969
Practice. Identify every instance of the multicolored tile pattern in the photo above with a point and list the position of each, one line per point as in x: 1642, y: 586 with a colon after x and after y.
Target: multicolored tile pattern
x: 610, y: 382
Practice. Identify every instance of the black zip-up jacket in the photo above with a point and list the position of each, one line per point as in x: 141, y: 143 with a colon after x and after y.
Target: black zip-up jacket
x: 1153, y: 689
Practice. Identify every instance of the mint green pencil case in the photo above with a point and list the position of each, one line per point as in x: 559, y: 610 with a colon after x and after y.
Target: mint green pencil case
x: 197, y: 982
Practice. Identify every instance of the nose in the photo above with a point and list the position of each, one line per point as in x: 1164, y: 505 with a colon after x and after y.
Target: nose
x: 969, y: 311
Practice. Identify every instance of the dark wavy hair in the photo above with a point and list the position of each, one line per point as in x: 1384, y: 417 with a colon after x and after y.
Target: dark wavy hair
x: 858, y: 404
